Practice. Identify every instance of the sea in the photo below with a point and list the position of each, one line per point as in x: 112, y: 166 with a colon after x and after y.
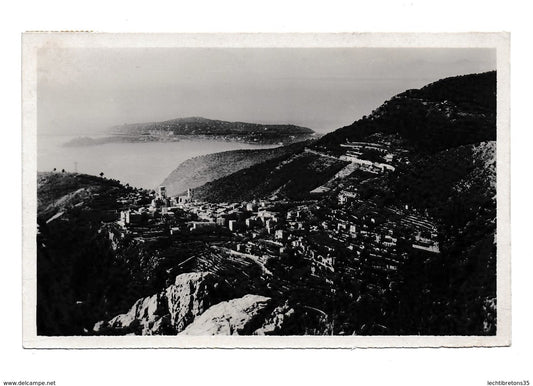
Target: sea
x: 141, y: 164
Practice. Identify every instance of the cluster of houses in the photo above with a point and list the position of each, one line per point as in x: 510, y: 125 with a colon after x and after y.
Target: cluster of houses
x: 161, y: 132
x: 266, y: 229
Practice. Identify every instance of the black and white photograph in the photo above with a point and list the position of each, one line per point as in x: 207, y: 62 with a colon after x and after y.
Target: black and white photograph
x: 271, y: 193
x: 300, y: 195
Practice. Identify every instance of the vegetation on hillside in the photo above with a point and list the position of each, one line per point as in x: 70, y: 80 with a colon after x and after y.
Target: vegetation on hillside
x: 199, y: 170
x: 455, y: 291
x: 291, y: 176
x: 197, y: 126
x: 448, y: 113
x: 450, y: 176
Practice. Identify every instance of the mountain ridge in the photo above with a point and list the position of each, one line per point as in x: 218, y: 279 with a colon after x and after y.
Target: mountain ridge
x: 416, y: 126
x: 447, y: 113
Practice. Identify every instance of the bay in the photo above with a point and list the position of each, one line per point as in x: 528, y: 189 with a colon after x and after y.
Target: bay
x: 141, y: 164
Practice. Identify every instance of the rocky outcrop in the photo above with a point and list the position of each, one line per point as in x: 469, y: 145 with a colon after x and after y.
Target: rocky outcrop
x: 274, y: 323
x: 235, y: 317
x: 169, y: 311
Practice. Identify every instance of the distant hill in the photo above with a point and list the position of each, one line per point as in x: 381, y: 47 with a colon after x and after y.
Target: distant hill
x: 200, y: 170
x: 203, y: 127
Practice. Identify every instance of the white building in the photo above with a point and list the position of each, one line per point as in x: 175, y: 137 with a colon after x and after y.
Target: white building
x: 185, y: 199
x: 162, y: 192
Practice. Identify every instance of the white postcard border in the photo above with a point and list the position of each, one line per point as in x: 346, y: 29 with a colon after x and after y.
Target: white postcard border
x: 31, y: 42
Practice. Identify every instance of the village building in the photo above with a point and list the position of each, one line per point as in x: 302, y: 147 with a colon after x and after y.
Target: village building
x: 162, y: 192
x: 201, y: 225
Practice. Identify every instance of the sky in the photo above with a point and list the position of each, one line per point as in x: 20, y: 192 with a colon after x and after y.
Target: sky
x: 86, y: 91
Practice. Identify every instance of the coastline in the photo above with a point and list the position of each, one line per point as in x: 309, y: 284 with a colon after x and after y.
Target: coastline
x: 84, y: 141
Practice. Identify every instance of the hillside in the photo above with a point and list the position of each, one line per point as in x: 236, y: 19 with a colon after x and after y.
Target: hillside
x: 441, y: 142
x: 75, y: 260
x: 290, y: 176
x: 200, y: 170
x: 216, y: 129
x: 448, y: 113
x: 456, y: 187
x: 64, y: 191
x: 95, y: 277
x: 445, y: 114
